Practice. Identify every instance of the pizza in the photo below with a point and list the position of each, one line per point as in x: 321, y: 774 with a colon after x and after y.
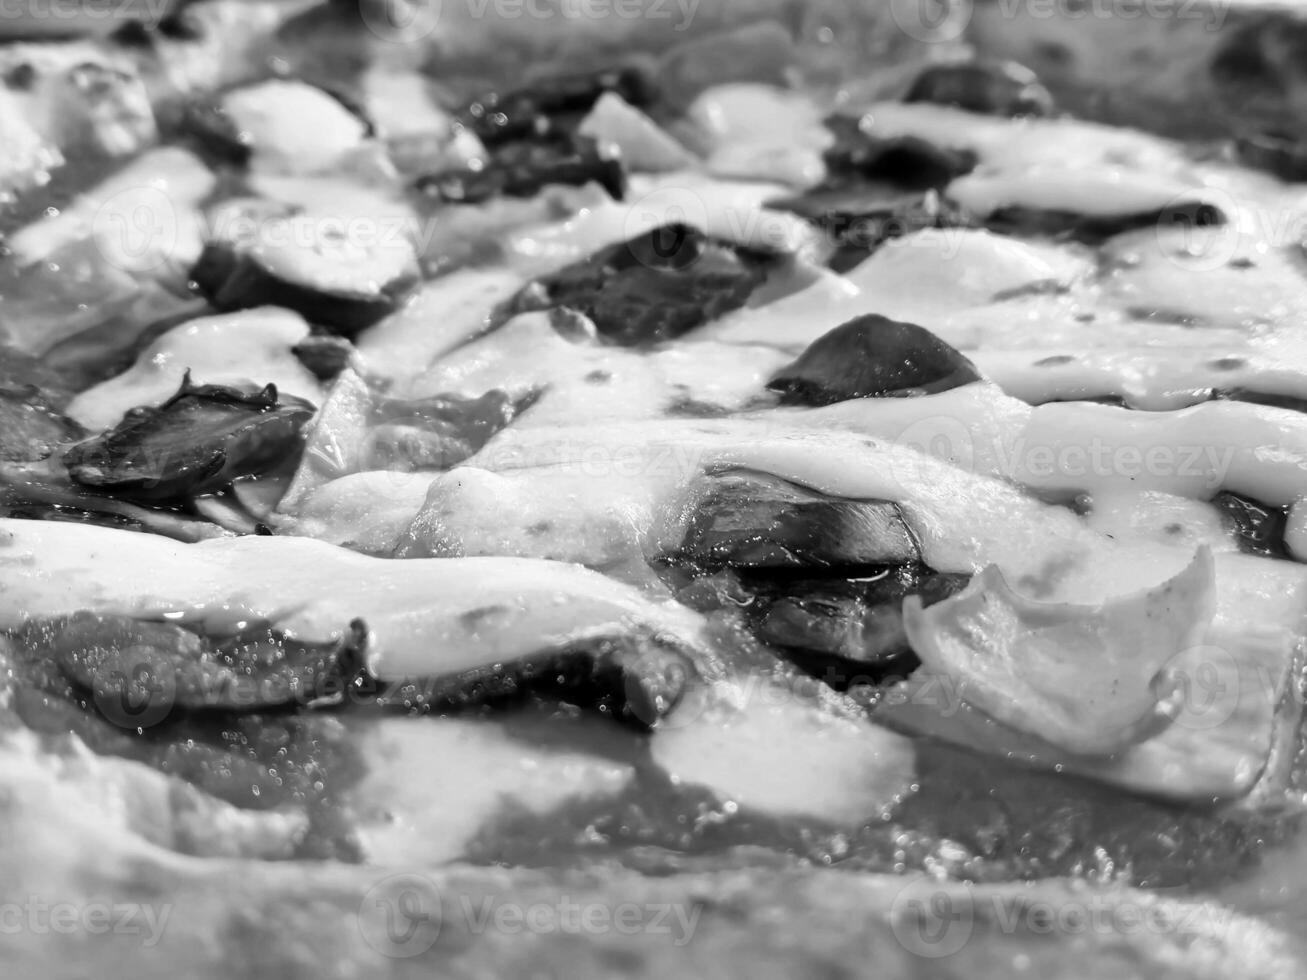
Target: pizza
x: 634, y: 488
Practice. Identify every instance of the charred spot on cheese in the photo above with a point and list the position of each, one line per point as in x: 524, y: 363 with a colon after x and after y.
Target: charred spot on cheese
x: 635, y: 678
x: 846, y: 632
x: 993, y: 88
x: 859, y: 217
x: 523, y: 169
x: 655, y: 287
x: 556, y: 105
x: 159, y: 668
x: 1094, y: 229
x: 905, y: 161
x: 199, y: 441
x: 1258, y: 529
x: 873, y: 357
x: 759, y: 522
x: 312, y: 267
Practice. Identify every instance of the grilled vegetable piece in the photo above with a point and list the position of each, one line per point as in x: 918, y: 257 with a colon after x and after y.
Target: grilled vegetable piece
x: 906, y: 161
x: 846, y: 632
x: 523, y: 169
x: 994, y: 88
x: 150, y: 670
x: 655, y: 287
x: 636, y: 678
x: 280, y: 125
x: 553, y: 106
x: 197, y: 442
x: 873, y: 357
x: 859, y: 217
x: 760, y: 522
x: 310, y: 266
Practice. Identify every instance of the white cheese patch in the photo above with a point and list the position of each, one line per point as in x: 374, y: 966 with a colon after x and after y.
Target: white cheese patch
x: 440, y: 316
x: 644, y: 145
x: 433, y: 784
x: 774, y: 752
x: 292, y: 127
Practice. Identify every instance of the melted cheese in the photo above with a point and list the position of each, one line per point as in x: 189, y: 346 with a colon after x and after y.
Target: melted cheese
x: 425, y: 617
x: 291, y: 127
x: 252, y: 346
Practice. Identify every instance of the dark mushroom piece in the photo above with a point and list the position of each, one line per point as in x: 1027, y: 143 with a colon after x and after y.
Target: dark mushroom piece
x: 197, y: 442
x: 872, y: 357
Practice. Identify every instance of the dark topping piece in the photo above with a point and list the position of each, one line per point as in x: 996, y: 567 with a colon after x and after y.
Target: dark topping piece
x: 326, y: 355
x: 1278, y: 153
x: 182, y: 24
x: 31, y: 395
x: 636, y: 678
x: 22, y: 76
x: 552, y: 106
x: 523, y: 169
x: 197, y: 442
x: 995, y: 88
x: 1258, y: 528
x: 1271, y: 399
x: 860, y: 217
x: 142, y: 672
x: 906, y: 161
x: 753, y: 521
x: 1095, y: 229
x: 873, y: 357
x: 214, y: 133
x: 847, y: 632
x: 652, y: 288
